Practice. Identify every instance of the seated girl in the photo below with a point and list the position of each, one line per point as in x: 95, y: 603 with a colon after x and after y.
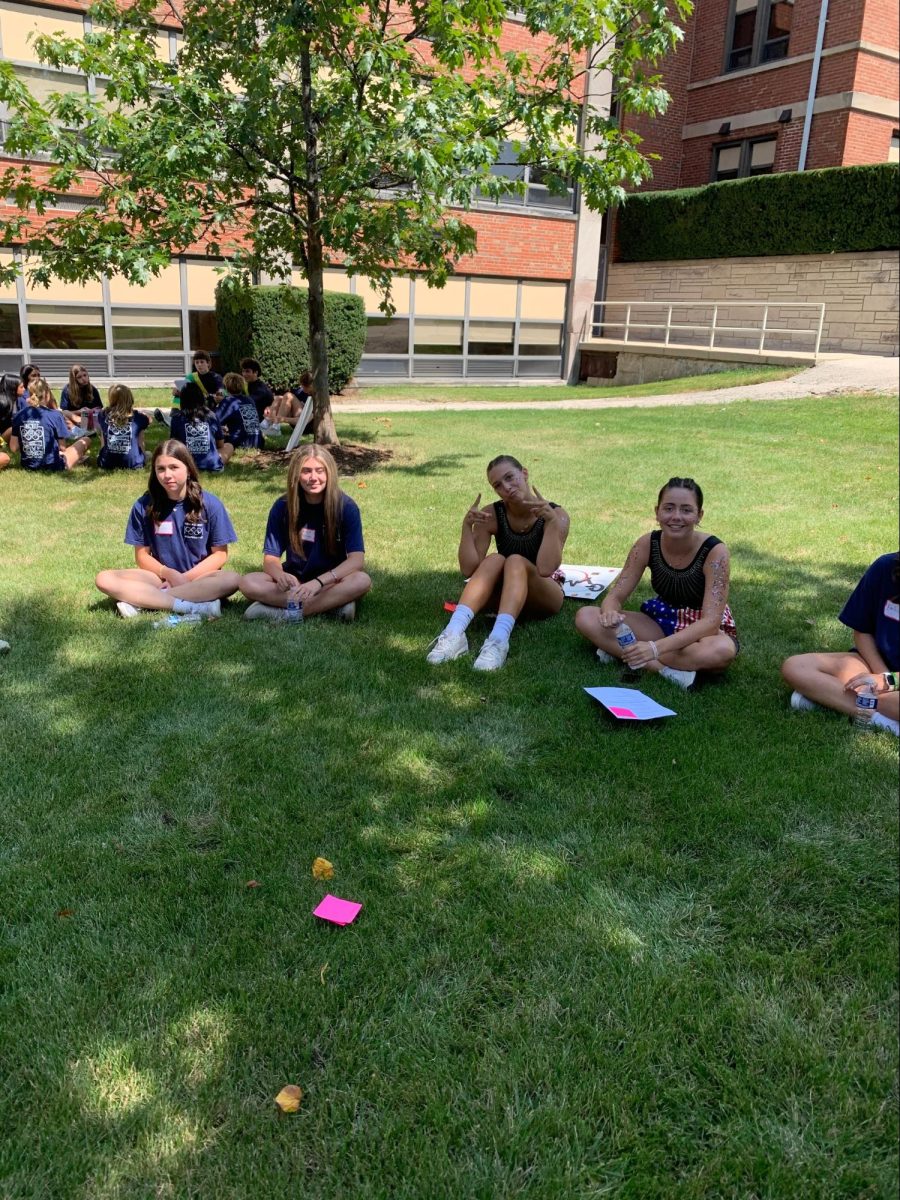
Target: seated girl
x: 687, y: 627
x: 12, y: 399
x: 195, y: 424
x: 317, y: 529
x: 238, y: 416
x: 38, y: 431
x: 830, y: 680
x: 287, y: 407
x: 121, y: 431
x: 180, y: 536
x: 529, y: 533
x: 79, y: 394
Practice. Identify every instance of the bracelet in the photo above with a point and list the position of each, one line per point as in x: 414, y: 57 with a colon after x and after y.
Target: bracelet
x: 653, y: 647
x: 320, y: 583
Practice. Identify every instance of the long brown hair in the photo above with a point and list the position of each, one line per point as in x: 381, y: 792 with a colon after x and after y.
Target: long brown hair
x: 332, y: 501
x: 120, y: 405
x: 160, y: 504
x: 80, y: 394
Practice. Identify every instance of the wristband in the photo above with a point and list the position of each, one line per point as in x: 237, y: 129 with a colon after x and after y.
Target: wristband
x: 653, y: 647
x: 892, y: 681
x: 320, y: 583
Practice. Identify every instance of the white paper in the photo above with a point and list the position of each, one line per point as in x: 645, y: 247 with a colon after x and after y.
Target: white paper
x: 628, y: 704
x: 586, y: 583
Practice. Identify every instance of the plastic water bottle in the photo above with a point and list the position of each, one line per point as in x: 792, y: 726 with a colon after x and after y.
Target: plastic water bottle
x: 866, y: 700
x: 625, y: 637
x: 294, y: 610
x: 178, y: 619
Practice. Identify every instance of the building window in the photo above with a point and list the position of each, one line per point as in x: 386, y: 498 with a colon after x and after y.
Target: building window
x: 10, y: 337
x: 894, y: 151
x: 52, y: 327
x: 438, y: 337
x: 737, y: 160
x: 146, y: 329
x: 760, y: 32
x: 387, y: 335
x: 536, y: 194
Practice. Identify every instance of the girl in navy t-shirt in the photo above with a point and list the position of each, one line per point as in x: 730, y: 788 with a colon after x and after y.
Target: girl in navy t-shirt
x: 12, y: 399
x: 317, y: 530
x: 121, y: 431
x: 195, y: 424
x: 830, y: 680
x: 79, y: 393
x: 37, y: 433
x: 238, y: 416
x: 180, y: 536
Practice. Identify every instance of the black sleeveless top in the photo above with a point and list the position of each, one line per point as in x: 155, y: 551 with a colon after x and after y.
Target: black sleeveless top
x: 680, y: 588
x: 509, y: 542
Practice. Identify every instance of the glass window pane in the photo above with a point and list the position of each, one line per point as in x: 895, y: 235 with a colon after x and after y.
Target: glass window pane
x: 438, y: 337
x: 762, y: 154
x: 7, y: 290
x: 387, y: 335
x: 52, y: 328
x: 490, y: 337
x: 145, y: 329
x: 540, y: 197
x: 778, y: 30
x: 741, y: 52
x: 204, y: 332
x: 10, y: 334
x: 540, y: 339
x: 44, y: 83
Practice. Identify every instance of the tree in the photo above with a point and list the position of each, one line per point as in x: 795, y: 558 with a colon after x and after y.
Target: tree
x: 295, y: 132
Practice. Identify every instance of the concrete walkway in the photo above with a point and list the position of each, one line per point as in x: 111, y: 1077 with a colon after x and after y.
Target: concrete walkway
x: 831, y: 376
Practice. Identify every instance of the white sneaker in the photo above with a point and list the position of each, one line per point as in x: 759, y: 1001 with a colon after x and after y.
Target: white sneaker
x: 265, y: 612
x: 603, y: 657
x: 492, y: 655
x: 800, y: 703
x: 211, y: 609
x: 446, y: 647
x: 346, y: 613
x: 682, y: 679
x: 126, y: 610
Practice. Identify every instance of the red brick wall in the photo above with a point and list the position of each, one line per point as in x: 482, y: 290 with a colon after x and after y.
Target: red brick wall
x: 520, y: 247
x: 868, y: 138
x: 880, y: 24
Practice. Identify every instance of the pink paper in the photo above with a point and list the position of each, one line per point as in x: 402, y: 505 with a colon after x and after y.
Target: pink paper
x: 337, y: 911
x: 622, y: 712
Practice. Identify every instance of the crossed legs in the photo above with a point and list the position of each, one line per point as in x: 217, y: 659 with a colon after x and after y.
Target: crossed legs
x: 712, y: 653
x: 261, y: 587
x: 821, y: 678
x: 143, y: 589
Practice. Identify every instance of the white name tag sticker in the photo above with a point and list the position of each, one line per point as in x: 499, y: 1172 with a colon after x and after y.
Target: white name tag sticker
x: 892, y: 610
x: 307, y: 535
x: 166, y: 528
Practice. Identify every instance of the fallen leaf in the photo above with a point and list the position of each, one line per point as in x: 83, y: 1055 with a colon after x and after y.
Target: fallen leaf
x: 288, y: 1099
x: 810, y: 620
x: 322, y: 869
x: 251, y: 883
x: 66, y: 912
x: 362, y: 483
x: 322, y: 974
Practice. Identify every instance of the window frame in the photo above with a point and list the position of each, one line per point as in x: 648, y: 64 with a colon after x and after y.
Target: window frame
x: 763, y: 16
x: 746, y: 147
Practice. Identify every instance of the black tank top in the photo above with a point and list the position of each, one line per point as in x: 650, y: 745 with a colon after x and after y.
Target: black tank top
x: 682, y: 588
x: 509, y: 542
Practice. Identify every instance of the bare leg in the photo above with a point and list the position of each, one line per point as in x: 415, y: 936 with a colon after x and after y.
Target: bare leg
x: 144, y: 590
x: 260, y: 586
x: 821, y: 678
x: 5, y: 460
x: 712, y: 653
x: 73, y: 455
x: 226, y: 450
x: 483, y: 583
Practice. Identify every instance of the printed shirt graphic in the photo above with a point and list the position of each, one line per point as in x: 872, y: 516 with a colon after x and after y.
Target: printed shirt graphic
x: 121, y: 441
x: 178, y: 542
x: 200, y: 437
x: 277, y: 542
x: 869, y: 609
x: 239, y: 416
x: 39, y: 431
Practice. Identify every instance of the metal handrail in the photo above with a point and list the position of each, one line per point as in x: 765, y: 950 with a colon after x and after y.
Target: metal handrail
x: 712, y: 326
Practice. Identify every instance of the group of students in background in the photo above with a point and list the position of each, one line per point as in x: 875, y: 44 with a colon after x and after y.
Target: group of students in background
x: 211, y: 415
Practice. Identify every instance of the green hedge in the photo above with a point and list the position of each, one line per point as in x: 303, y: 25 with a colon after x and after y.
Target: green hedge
x: 810, y: 212
x: 271, y: 323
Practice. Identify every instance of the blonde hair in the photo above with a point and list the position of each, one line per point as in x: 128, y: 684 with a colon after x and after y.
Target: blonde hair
x: 332, y: 501
x: 234, y: 384
x: 119, y: 404
x: 39, y: 394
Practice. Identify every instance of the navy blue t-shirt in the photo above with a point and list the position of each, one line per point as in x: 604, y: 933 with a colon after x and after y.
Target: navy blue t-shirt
x: 176, y: 542
x: 874, y: 608
x: 261, y: 395
x: 238, y: 415
x: 65, y: 400
x: 317, y: 559
x: 39, y: 431
x: 200, y: 437
x: 120, y: 442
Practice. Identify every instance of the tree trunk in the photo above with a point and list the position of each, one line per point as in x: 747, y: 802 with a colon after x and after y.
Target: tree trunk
x: 324, y: 431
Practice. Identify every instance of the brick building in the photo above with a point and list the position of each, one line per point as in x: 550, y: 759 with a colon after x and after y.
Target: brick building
x: 748, y: 73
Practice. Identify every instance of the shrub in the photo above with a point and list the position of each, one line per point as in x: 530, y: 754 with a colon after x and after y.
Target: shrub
x: 810, y: 212
x: 271, y: 323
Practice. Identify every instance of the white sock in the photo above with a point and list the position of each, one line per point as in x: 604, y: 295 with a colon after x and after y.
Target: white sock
x: 503, y: 627
x: 461, y: 620
x: 683, y: 679
x: 190, y: 606
x: 880, y: 721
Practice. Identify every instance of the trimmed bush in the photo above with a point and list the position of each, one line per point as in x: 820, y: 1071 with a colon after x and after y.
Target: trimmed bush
x: 271, y: 323
x: 810, y: 212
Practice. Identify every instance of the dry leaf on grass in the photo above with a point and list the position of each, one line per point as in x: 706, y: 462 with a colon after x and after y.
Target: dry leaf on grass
x: 251, y: 883
x: 66, y: 912
x: 288, y: 1099
x: 322, y: 869
x: 362, y: 483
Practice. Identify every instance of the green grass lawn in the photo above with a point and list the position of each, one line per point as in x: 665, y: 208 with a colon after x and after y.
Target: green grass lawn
x: 456, y: 393
x: 592, y: 960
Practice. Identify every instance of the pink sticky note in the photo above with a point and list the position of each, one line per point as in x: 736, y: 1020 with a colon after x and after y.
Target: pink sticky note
x: 336, y: 910
x: 622, y: 712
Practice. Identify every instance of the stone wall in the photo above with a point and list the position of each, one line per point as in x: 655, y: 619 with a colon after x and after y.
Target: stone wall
x: 860, y: 292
